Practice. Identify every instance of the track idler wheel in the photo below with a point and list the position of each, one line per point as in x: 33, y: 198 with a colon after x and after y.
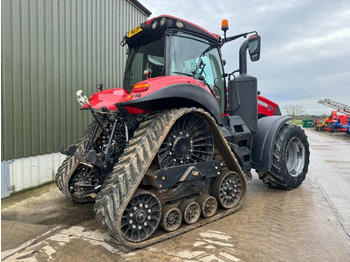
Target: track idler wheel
x: 141, y: 216
x: 171, y: 218
x: 228, y: 189
x: 191, y: 211
x: 208, y: 205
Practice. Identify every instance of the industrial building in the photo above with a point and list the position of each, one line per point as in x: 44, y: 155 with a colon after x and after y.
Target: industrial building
x: 51, y: 49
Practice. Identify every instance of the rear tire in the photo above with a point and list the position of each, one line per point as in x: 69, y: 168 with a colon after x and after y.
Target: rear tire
x: 290, y: 159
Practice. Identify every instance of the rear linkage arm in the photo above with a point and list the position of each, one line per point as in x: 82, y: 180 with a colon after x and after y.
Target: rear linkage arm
x: 89, y: 156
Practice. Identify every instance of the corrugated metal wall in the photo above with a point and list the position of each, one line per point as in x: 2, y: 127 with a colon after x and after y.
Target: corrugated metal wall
x: 51, y: 49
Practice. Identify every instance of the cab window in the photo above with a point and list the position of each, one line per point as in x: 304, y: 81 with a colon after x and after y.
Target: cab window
x: 201, y: 60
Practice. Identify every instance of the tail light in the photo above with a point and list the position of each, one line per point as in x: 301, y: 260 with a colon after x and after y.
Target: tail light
x: 140, y: 87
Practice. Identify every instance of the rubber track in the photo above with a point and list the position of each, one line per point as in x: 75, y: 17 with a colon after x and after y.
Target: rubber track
x: 70, y: 164
x: 122, y: 183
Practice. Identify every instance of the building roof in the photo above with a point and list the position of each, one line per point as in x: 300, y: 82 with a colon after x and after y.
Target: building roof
x: 141, y: 7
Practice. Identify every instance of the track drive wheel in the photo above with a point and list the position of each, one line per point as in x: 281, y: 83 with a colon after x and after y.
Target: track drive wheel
x: 228, y: 189
x: 141, y: 216
x: 171, y: 218
x: 191, y: 211
x: 208, y: 205
x: 190, y: 140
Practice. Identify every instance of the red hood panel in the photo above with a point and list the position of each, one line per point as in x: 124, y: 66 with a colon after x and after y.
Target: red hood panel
x: 107, y: 98
x: 266, y: 106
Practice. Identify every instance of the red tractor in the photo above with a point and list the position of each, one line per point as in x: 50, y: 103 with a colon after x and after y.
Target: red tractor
x: 171, y: 150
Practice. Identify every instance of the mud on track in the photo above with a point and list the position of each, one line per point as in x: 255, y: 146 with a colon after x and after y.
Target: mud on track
x: 309, y: 223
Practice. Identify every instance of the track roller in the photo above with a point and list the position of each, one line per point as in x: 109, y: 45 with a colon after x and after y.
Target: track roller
x: 141, y: 216
x: 208, y: 205
x: 191, y: 211
x: 171, y: 218
x: 228, y: 189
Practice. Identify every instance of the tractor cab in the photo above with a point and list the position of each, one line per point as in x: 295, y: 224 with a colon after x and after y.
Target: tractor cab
x: 168, y: 46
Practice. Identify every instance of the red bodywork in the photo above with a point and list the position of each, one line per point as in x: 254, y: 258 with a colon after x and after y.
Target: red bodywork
x: 266, y: 107
x: 108, y: 98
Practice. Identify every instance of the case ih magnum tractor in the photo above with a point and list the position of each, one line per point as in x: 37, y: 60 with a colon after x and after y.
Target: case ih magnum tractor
x: 171, y: 150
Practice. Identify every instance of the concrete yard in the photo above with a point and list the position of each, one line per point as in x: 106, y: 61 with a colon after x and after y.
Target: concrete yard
x: 310, y: 223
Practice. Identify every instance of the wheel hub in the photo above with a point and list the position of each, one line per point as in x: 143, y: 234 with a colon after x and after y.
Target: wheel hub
x: 182, y: 148
x: 190, y: 212
x: 171, y: 219
x: 295, y: 157
x: 230, y: 188
x: 140, y: 216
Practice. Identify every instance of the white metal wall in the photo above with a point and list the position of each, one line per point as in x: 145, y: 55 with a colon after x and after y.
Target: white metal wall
x: 34, y: 171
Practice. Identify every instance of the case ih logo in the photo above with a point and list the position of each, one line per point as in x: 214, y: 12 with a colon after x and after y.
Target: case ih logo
x: 269, y: 107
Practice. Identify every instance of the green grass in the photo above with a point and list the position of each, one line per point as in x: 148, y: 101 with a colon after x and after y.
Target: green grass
x: 297, y: 122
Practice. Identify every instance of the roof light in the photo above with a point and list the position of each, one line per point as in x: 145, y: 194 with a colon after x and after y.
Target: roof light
x: 140, y: 87
x: 224, y: 25
x: 162, y: 21
x: 154, y: 25
x: 179, y: 24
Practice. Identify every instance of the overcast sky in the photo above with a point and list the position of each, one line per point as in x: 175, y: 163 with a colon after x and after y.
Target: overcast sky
x: 305, y: 44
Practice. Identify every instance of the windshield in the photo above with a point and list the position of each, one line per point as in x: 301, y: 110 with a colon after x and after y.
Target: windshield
x: 150, y: 54
x: 201, y: 60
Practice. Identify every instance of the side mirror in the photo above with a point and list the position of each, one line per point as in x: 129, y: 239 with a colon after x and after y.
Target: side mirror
x: 254, y: 44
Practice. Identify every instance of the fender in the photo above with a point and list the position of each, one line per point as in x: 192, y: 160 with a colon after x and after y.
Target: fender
x: 177, y: 96
x: 264, y: 139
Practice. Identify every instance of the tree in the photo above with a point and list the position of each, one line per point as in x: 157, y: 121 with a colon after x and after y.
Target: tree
x: 294, y: 110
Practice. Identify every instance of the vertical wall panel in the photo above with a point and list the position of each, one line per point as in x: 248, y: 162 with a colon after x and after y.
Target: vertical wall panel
x: 51, y: 49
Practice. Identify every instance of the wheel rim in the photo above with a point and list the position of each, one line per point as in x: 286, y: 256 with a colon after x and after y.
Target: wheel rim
x: 230, y: 190
x: 192, y: 213
x: 189, y: 141
x: 171, y: 219
x: 295, y: 157
x: 141, y: 217
x: 209, y: 206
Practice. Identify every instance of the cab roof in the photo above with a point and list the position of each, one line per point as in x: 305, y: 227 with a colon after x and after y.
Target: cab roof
x: 163, y: 22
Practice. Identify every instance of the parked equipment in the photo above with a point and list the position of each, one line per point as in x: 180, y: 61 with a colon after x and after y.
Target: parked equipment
x: 308, y: 123
x: 322, y: 124
x: 340, y: 107
x: 174, y: 146
x: 339, y: 125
